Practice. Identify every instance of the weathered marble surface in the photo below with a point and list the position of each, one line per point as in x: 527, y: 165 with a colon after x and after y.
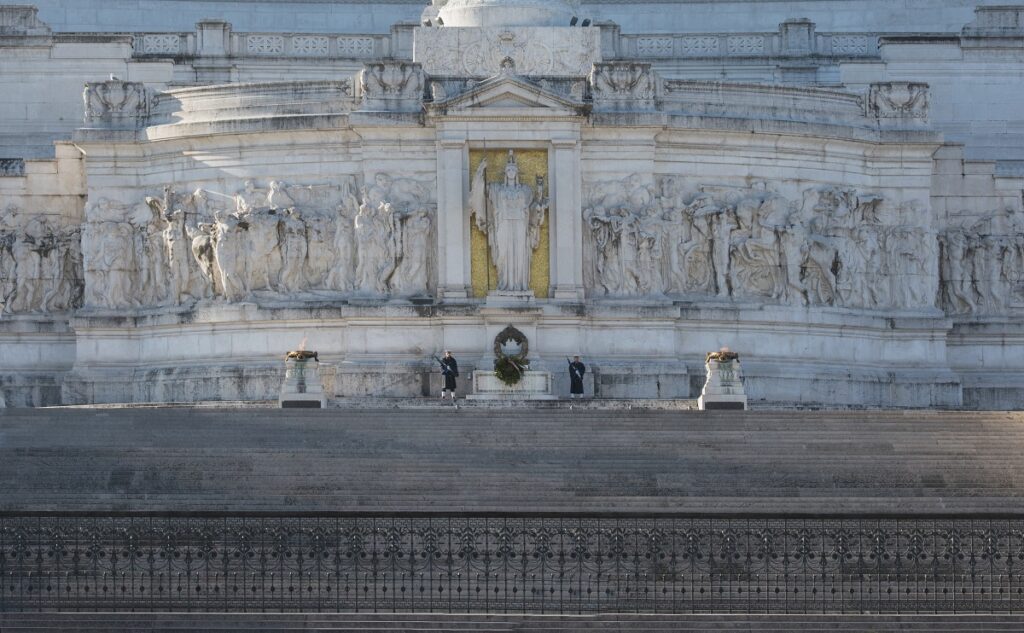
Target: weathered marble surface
x: 784, y: 188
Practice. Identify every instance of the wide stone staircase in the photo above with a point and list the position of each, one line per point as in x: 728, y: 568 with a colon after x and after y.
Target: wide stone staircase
x: 545, y: 519
x: 772, y: 462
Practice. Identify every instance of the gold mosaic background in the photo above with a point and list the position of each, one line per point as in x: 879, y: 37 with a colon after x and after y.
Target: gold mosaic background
x: 532, y: 164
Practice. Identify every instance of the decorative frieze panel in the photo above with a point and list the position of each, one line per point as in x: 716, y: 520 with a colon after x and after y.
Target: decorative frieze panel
x: 699, y: 46
x: 527, y: 50
x: 264, y: 44
x: 830, y: 246
x: 116, y: 104
x: 259, y: 44
x: 355, y: 46
x: 745, y: 45
x: 898, y: 100
x: 623, y: 86
x: 280, y: 241
x: 158, y: 44
x: 40, y: 263
x: 392, y: 86
x: 655, y: 47
x: 311, y: 45
x: 982, y: 266
x: 795, y: 38
x: 851, y: 45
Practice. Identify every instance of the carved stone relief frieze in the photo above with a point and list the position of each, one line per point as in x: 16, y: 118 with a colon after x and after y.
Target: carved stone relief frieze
x: 623, y: 86
x: 830, y: 246
x: 532, y: 51
x: 898, y: 100
x: 982, y: 264
x: 282, y: 241
x: 115, y: 103
x: 40, y: 263
x: 392, y: 86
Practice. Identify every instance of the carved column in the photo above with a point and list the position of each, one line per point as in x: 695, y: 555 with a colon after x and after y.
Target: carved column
x: 566, y: 221
x: 452, y: 220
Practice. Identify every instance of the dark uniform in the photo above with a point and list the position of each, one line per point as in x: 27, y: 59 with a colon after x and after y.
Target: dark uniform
x: 576, y: 372
x: 450, y: 370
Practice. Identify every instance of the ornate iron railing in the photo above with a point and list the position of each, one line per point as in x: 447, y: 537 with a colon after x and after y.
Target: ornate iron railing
x: 512, y: 564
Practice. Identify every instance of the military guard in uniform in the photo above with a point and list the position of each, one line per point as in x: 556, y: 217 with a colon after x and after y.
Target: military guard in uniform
x: 450, y: 371
x: 576, y: 372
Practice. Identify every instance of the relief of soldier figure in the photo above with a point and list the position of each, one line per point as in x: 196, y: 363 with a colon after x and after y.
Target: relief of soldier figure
x: 280, y: 239
x: 829, y: 246
x: 645, y: 237
x: 40, y: 263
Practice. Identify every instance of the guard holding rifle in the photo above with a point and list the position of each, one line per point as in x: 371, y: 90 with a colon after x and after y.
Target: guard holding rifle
x: 576, y: 371
x: 450, y: 371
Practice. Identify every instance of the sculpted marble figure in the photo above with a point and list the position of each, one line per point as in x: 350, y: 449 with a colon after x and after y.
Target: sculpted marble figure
x: 511, y: 214
x: 375, y: 247
x: 342, y: 272
x: 982, y: 265
x: 40, y: 263
x: 229, y: 249
x: 831, y: 246
x: 294, y: 249
x: 412, y: 274
x: 288, y: 240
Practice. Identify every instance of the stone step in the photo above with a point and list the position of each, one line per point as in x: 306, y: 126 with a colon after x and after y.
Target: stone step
x: 436, y: 623
x: 166, y: 459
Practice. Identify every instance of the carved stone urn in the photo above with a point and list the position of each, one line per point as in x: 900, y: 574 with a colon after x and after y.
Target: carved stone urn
x: 302, y: 387
x: 724, y: 386
x: 508, y: 13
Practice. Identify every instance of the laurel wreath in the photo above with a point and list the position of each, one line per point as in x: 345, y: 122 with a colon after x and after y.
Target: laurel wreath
x: 509, y: 369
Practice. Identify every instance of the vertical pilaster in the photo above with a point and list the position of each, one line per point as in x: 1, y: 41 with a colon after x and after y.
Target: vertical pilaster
x: 452, y: 237
x: 566, y: 221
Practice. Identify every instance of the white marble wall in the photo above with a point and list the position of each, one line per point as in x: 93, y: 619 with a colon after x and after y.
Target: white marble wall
x: 854, y: 254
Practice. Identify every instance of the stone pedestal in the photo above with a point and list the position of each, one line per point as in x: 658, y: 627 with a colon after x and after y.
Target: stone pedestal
x: 531, y: 50
x: 724, y: 386
x: 510, y: 299
x: 302, y: 387
x: 535, y: 385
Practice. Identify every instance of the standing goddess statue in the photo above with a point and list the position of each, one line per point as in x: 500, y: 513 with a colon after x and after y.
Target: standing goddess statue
x: 511, y: 214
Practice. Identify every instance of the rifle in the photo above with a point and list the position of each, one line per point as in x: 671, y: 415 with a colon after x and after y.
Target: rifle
x: 445, y: 369
x: 573, y: 369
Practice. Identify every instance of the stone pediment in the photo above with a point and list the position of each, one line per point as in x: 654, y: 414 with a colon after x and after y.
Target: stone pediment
x: 510, y: 95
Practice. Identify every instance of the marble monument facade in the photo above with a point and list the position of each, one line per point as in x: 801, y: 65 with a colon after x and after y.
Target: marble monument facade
x: 842, y: 206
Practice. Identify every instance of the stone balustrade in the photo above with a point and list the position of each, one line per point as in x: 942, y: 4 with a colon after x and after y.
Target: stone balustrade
x: 260, y: 45
x: 790, y: 41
